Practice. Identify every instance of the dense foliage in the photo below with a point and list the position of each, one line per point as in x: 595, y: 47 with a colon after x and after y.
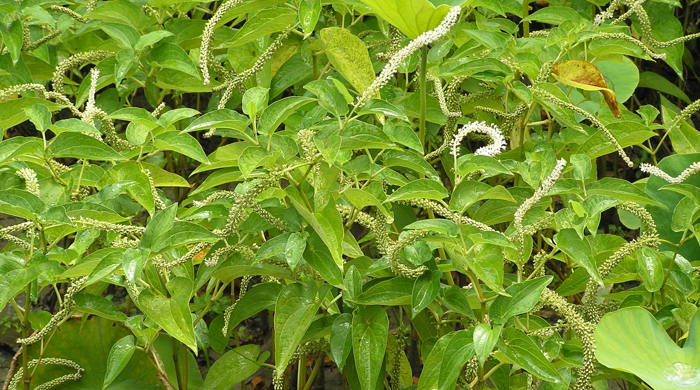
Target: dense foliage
x: 361, y: 194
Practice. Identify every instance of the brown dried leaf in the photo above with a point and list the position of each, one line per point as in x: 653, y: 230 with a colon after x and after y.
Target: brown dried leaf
x: 584, y: 75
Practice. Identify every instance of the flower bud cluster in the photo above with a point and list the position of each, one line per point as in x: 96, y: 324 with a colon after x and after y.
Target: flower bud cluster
x: 30, y: 181
x: 108, y: 226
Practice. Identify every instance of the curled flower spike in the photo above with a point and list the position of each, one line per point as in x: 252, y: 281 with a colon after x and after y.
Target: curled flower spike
x: 683, y: 176
x: 208, y: 34
x: 422, y: 40
x: 74, y: 60
x: 544, y: 188
x: 497, y: 145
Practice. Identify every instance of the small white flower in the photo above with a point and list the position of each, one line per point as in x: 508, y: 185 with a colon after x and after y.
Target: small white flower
x: 544, y: 188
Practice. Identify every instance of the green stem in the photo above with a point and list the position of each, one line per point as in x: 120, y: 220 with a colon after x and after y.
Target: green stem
x: 423, y: 90
x: 526, y: 24
x: 180, y: 359
x: 301, y: 371
x: 27, y: 378
x: 314, y: 373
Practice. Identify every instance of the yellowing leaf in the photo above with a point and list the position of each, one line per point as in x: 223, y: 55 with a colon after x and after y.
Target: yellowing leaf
x: 349, y: 56
x: 584, y: 75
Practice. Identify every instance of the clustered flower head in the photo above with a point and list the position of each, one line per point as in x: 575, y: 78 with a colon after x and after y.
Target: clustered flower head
x: 422, y: 40
x: 683, y: 176
x: 30, y: 181
x: 498, y: 141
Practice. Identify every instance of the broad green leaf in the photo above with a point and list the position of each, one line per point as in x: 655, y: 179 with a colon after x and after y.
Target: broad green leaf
x: 309, y: 12
x: 118, y: 358
x: 39, y: 115
x: 485, y: 338
x: 650, y: 268
x: 391, y: 292
x: 77, y: 145
x: 341, y: 339
x: 579, y: 251
x: 279, y: 111
x: 262, y: 296
x: 320, y: 259
x: 21, y: 203
x: 156, y: 228
x: 523, y: 298
x: 294, y: 312
x: 219, y: 119
x: 584, y: 75
x: 123, y: 34
x: 486, y: 261
x: 632, y: 340
x: 619, y: 189
x: 255, y: 100
x: 170, y: 56
x: 425, y: 289
x: 233, y: 367
x: 329, y: 97
x: 184, y: 233
x: 139, y: 186
x: 265, y: 22
x: 172, y: 313
x: 446, y: 360
x: 151, y: 38
x: 182, y: 143
x: 685, y: 138
x: 419, y: 189
x: 12, y: 39
x: 370, y: 328
x: 523, y: 351
x: 349, y: 56
x: 294, y: 250
x: 411, y: 17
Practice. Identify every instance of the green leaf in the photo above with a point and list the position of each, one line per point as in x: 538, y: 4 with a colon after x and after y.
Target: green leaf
x: 118, y: 358
x: 233, y: 367
x: 486, y: 262
x: 170, y: 56
x: 265, y: 22
x: 219, y: 119
x: 485, y: 338
x: 279, y: 111
x: 151, y: 38
x: 125, y: 35
x: 622, y: 341
x: 411, y: 17
x: 139, y: 186
x: 182, y: 143
x: 320, y: 259
x: 523, y: 298
x: 555, y: 15
x: 419, y: 189
x: 255, y: 100
x: 685, y: 138
x: 329, y: 97
x: 522, y: 350
x: 579, y: 251
x: 370, y: 328
x: 158, y: 226
x: 77, y: 145
x: 12, y: 39
x: 262, y: 296
x: 650, y: 268
x: 619, y: 189
x: 172, y: 314
x: 21, y: 203
x: 660, y: 83
x: 349, y: 56
x: 294, y: 250
x: 446, y: 360
x: 39, y: 115
x: 391, y: 292
x: 184, y: 233
x: 425, y: 289
x: 294, y: 312
x: 309, y: 12
x: 341, y: 338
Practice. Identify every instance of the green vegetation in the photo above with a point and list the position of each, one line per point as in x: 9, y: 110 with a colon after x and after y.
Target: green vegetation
x: 350, y: 194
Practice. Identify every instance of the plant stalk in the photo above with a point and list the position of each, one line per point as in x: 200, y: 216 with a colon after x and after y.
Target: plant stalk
x: 26, y: 377
x: 423, y: 90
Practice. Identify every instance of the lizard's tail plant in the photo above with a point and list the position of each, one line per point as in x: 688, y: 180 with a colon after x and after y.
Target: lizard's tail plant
x: 75, y: 376
x: 392, y: 66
